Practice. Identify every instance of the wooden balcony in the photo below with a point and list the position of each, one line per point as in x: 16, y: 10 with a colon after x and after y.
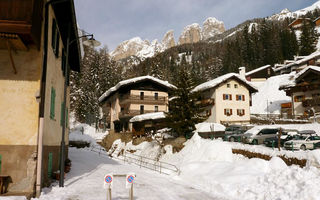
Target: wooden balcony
x: 206, y: 102
x: 136, y: 99
x: 132, y: 113
x: 311, y: 102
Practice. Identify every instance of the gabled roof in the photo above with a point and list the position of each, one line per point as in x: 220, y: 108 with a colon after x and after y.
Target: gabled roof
x: 132, y: 81
x: 221, y: 79
x: 306, y: 70
x: 293, y: 81
x: 257, y: 70
x: 297, y: 20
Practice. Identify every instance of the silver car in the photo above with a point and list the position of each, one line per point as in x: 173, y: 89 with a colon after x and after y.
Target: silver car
x: 259, y: 138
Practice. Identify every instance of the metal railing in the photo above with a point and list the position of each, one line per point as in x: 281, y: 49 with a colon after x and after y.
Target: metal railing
x: 141, y: 161
x: 281, y: 116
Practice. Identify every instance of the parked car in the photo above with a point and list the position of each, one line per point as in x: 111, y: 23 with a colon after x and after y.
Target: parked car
x: 286, y: 135
x: 235, y: 136
x: 302, y: 142
x: 258, y: 138
x: 232, y: 129
x: 307, y: 132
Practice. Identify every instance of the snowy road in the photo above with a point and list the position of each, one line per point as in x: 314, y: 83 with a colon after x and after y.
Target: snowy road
x: 85, y: 181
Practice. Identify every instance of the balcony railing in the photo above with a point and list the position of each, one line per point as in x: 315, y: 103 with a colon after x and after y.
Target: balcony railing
x: 142, y: 100
x: 311, y: 102
x: 132, y: 113
x: 207, y: 102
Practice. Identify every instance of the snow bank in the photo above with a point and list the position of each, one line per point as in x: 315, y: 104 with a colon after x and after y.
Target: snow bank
x: 85, y: 133
x: 209, y: 165
x: 13, y: 198
x: 209, y: 127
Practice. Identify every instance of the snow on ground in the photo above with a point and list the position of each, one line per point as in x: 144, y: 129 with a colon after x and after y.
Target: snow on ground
x: 85, y: 182
x: 211, y: 166
x: 269, y: 98
x: 86, y: 133
x: 208, y: 170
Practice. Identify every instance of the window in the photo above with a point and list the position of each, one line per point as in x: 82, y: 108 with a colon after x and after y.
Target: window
x: 299, y: 98
x: 52, y: 103
x: 240, y: 97
x: 156, y: 95
x: 235, y: 85
x: 228, y: 85
x: 141, y: 95
x: 228, y: 112
x: 156, y: 108
x: 141, y: 109
x: 227, y: 97
x: 55, y: 36
x: 315, y: 95
x: 240, y: 112
x: 122, y: 109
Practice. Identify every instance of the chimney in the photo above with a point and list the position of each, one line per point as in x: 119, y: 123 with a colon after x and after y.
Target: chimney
x: 242, y: 72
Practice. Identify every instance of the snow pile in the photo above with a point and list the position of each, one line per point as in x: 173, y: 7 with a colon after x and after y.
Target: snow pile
x: 209, y: 127
x: 132, y: 81
x: 13, y: 198
x: 209, y: 165
x: 215, y: 82
x: 148, y: 116
x: 269, y: 98
x: 86, y: 133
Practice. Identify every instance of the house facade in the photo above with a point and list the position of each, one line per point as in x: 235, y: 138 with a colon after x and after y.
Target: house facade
x: 33, y: 38
x: 226, y: 99
x: 133, y: 97
x: 305, y: 93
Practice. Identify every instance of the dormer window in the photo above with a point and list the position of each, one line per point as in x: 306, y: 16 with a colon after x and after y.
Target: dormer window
x: 228, y: 85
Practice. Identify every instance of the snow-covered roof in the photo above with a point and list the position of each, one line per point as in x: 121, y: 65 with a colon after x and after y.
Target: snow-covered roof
x: 257, y: 70
x: 209, y: 127
x: 315, y: 68
x: 292, y: 81
x: 135, y: 80
x: 303, y: 60
x: 217, y: 81
x: 148, y: 116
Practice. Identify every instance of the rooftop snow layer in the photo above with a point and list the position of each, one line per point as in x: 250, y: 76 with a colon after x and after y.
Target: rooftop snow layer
x: 256, y: 70
x: 134, y: 80
x: 292, y: 81
x: 215, y: 82
x: 148, y: 116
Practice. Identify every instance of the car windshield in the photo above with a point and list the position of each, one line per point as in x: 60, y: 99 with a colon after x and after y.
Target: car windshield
x: 316, y: 138
x: 299, y: 137
x: 229, y: 129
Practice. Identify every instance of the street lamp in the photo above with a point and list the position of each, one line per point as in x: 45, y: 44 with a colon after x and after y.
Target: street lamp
x: 90, y: 42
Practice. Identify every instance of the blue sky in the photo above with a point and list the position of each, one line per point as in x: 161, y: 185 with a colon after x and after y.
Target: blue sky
x: 113, y: 21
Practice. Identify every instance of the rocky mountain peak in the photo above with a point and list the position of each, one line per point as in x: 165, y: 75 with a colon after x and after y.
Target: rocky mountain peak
x: 212, y: 27
x: 190, y: 34
x: 168, y: 40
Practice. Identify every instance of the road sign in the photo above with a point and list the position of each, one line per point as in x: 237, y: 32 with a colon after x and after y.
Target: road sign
x: 108, y: 179
x: 130, y: 179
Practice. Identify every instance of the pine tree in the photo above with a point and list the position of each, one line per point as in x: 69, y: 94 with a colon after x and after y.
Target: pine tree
x: 184, y: 111
x: 308, y: 39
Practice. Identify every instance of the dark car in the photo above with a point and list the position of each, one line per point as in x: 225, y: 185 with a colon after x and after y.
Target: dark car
x: 285, y: 136
x: 236, y: 136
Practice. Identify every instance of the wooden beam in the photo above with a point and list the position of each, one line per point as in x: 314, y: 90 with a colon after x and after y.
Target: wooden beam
x: 14, y: 27
x: 11, y: 58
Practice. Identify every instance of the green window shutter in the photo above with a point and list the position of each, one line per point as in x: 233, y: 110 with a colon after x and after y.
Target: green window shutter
x: 0, y: 163
x: 61, y: 114
x: 52, y: 103
x: 50, y: 165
